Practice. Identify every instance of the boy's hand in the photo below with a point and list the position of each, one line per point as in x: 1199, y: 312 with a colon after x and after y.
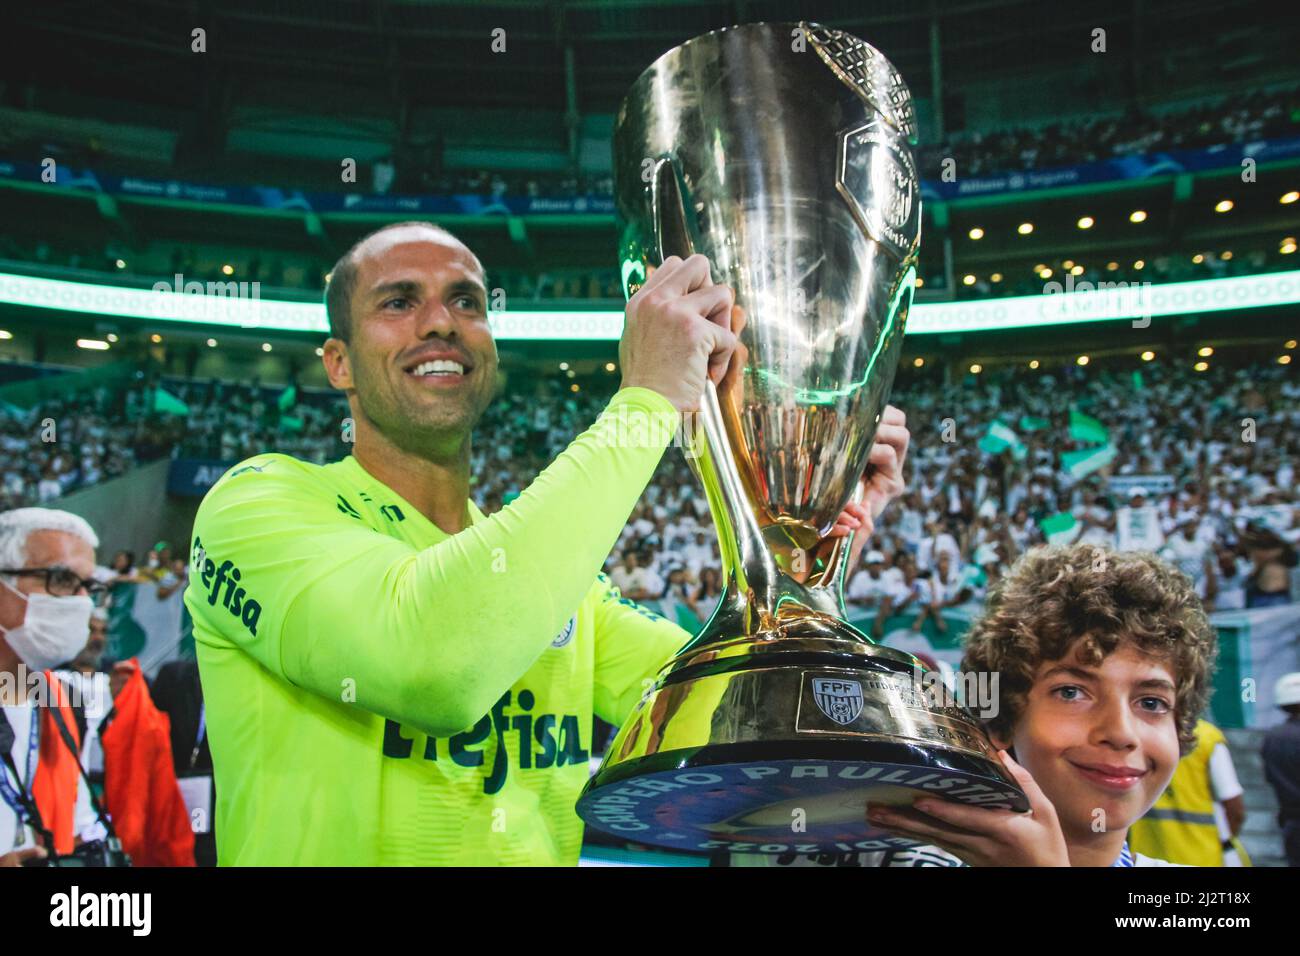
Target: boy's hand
x: 881, y: 483
x: 980, y: 836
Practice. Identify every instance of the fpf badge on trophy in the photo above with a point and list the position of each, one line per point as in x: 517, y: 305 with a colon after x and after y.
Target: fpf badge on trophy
x: 789, y: 165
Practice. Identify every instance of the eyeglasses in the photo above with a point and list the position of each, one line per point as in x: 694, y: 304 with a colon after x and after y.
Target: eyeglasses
x: 61, y: 581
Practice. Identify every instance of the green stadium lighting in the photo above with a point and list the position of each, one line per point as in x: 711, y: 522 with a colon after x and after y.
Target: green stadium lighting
x: 1080, y: 302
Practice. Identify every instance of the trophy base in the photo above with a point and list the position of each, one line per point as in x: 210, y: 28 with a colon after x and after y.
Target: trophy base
x: 764, y: 798
x: 778, y: 746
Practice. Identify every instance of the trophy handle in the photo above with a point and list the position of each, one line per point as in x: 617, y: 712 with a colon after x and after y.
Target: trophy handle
x: 674, y: 232
x: 747, y: 566
x: 756, y: 579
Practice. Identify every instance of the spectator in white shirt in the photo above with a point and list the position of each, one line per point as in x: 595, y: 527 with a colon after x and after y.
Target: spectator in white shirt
x: 699, y: 552
x: 872, y: 584
x: 937, y: 539
x: 1190, y: 552
x: 635, y: 582
x: 1137, y: 527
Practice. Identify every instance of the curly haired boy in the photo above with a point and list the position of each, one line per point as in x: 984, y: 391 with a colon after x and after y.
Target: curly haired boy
x: 1104, y: 661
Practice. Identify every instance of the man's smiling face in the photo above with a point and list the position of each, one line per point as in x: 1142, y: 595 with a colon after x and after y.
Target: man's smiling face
x: 1100, y: 737
x: 420, y: 357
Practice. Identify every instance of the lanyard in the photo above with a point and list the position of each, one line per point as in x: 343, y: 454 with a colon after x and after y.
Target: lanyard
x: 198, y: 738
x: 7, y: 791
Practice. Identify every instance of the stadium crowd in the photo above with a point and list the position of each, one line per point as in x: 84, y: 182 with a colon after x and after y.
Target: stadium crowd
x: 1201, y: 470
x: 1188, y: 479
x: 1257, y: 115
x: 1252, y: 116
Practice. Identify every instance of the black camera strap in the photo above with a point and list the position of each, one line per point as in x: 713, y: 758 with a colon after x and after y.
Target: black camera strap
x: 71, y: 742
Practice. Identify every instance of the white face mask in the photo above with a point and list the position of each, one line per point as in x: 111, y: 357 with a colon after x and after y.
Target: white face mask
x: 53, y: 629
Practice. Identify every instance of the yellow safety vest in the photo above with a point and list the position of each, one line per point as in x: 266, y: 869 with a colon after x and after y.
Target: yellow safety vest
x: 1180, y: 826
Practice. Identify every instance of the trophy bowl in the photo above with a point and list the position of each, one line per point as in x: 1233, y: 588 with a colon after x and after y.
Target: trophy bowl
x: 783, y: 153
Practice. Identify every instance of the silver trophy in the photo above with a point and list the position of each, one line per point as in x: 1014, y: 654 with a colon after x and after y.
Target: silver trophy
x: 783, y: 153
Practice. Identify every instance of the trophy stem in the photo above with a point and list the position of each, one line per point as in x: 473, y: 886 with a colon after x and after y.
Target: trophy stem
x: 760, y: 597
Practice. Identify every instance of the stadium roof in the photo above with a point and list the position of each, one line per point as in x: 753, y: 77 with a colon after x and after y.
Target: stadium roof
x: 392, y: 56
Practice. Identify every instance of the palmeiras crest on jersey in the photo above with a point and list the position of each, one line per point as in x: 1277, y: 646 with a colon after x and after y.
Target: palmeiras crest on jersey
x: 840, y: 700
x: 566, y: 635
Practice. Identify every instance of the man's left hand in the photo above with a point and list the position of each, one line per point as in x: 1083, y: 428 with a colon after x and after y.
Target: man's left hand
x: 882, y: 482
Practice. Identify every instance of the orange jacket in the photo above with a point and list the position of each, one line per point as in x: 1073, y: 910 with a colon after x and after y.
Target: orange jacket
x: 140, y: 789
x: 54, y: 785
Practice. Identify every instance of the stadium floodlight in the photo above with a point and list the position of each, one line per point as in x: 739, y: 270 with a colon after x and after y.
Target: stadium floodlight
x: 1084, y: 302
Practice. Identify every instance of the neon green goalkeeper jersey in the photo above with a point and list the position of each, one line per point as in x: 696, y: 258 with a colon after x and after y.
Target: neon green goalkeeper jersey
x: 381, y: 693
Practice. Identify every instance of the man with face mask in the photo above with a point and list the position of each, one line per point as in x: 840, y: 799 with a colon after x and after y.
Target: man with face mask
x: 47, y: 558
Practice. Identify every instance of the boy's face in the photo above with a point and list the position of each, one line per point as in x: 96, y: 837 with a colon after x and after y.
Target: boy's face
x: 1099, y: 737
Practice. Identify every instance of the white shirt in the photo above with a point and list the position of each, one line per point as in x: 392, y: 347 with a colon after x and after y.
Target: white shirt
x: 944, y: 542
x: 1232, y: 590
x: 698, y: 554
x: 13, y: 835
x: 97, y: 701
x: 638, y: 579
x: 919, y: 591
x: 943, y: 589
x: 1226, y: 786
x: 1138, y: 529
x: 865, y: 589
x: 1188, y: 557
x: 910, y: 526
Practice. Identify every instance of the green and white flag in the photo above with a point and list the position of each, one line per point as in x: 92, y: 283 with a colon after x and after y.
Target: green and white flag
x: 165, y: 403
x: 1087, y: 429
x: 1087, y: 460
x: 1000, y: 437
x: 1028, y: 423
x: 1058, y: 528
x: 288, y: 398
